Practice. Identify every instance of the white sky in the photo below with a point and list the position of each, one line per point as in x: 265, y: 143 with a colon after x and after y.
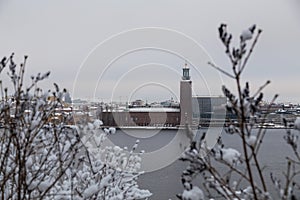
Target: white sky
x: 59, y: 36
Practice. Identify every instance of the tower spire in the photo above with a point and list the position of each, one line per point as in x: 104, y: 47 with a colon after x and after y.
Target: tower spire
x: 186, y: 72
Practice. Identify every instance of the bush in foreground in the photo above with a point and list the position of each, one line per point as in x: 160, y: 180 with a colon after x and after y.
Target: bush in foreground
x: 41, y: 157
x: 243, y: 177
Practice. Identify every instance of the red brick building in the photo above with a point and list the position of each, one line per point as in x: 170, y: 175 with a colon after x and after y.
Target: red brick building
x: 143, y: 116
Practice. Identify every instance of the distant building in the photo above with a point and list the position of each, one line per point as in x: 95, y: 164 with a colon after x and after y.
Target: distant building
x: 186, y: 97
x: 170, y: 103
x: 138, y: 103
x: 207, y: 109
x: 143, y: 116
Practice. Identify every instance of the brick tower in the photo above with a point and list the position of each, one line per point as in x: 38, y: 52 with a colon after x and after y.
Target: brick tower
x: 186, y: 97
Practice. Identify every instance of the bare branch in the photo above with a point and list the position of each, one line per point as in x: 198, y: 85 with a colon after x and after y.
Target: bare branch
x: 221, y: 70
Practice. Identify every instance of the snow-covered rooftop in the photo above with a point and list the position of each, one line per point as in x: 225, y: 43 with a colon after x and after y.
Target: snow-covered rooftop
x: 153, y: 109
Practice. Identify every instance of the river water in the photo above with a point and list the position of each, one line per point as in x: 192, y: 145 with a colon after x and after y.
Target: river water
x: 165, y: 183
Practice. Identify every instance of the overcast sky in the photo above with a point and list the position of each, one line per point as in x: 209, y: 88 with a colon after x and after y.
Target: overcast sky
x: 84, y: 44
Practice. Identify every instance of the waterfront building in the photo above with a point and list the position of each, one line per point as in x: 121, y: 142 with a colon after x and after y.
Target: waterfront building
x: 209, y: 110
x: 143, y: 116
x: 193, y: 111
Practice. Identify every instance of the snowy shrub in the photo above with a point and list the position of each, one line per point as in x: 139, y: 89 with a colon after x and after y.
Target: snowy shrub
x: 297, y: 124
x: 105, y: 173
x: 242, y: 174
x: 42, y: 157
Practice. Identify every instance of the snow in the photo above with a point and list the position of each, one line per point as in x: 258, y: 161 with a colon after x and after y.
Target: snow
x: 34, y: 124
x: 212, y: 182
x: 124, y: 162
x: 99, y: 139
x: 29, y: 162
x: 246, y: 35
x: 297, y: 123
x: 135, y: 145
x: 91, y: 126
x: 66, y: 147
x: 140, y: 194
x: 230, y: 155
x: 90, y: 191
x: 32, y: 185
x: 194, y: 194
x: 105, y: 181
x: 251, y: 140
x: 117, y: 149
x: 112, y: 130
x: 153, y: 109
x: 98, y: 123
x: 44, y: 185
x: 106, y: 130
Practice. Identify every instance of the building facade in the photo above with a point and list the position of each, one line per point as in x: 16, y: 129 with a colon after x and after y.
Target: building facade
x: 208, y: 110
x: 159, y: 117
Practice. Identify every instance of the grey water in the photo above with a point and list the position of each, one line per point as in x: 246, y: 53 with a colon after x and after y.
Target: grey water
x: 165, y: 183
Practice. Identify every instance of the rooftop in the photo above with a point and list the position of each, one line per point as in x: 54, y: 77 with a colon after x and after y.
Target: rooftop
x: 153, y: 109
